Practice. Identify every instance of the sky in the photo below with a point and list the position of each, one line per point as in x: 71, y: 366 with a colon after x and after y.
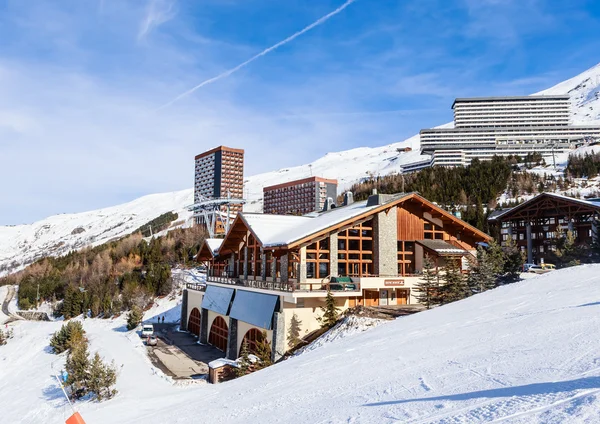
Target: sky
x: 97, y: 99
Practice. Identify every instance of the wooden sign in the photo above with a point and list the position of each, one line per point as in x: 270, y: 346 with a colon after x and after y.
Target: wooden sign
x: 389, y: 283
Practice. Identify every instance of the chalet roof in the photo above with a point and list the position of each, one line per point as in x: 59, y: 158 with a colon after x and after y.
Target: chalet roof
x: 288, y: 231
x: 505, y: 213
x: 441, y: 247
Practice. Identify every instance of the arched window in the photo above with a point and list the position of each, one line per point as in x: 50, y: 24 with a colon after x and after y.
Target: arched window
x: 252, y: 338
x: 218, y: 334
x: 194, y: 322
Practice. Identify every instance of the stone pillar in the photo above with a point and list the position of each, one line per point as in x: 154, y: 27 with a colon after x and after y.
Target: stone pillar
x: 302, y: 266
x: 278, y: 347
x: 232, y: 264
x: 570, y: 226
x: 204, y: 326
x: 333, y: 255
x: 594, y: 230
x: 284, y: 260
x: 263, y: 268
x: 273, y: 267
x: 232, y: 352
x: 245, y: 262
x: 385, y: 243
x: 529, y: 243
x: 184, y: 313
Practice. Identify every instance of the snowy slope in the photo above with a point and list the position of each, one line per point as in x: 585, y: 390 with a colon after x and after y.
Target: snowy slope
x: 54, y: 235
x: 59, y: 234
x: 523, y: 353
x: 584, y: 90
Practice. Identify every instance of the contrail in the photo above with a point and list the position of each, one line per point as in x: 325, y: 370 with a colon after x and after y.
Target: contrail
x: 264, y: 52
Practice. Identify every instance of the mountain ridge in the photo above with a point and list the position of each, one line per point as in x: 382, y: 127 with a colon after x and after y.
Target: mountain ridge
x: 58, y: 234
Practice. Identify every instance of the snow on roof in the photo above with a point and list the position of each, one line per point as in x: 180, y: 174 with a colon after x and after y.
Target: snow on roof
x: 593, y: 203
x: 276, y: 230
x: 214, y: 244
x: 441, y: 246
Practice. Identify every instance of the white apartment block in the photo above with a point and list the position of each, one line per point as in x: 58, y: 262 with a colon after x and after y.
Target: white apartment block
x: 504, y: 126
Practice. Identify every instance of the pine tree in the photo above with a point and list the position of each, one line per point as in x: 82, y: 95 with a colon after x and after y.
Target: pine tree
x: 513, y: 261
x: 244, y: 361
x: 428, y: 288
x: 77, y: 365
x: 101, y: 378
x: 134, y: 318
x: 294, y: 331
x: 330, y: 312
x: 263, y: 352
x: 454, y: 287
x: 481, y: 276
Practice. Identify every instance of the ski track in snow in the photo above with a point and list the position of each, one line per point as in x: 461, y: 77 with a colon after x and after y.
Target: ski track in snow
x: 522, y: 353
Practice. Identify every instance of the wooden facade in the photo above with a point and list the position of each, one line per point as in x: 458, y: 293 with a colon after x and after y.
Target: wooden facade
x: 537, y: 225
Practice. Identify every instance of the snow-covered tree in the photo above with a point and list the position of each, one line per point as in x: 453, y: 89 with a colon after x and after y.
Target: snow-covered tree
x: 482, y: 276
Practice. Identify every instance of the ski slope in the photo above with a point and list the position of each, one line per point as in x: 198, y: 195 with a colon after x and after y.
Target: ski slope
x: 523, y: 353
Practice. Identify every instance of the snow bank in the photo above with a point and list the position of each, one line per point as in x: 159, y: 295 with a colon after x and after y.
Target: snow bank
x: 347, y: 327
x: 522, y: 353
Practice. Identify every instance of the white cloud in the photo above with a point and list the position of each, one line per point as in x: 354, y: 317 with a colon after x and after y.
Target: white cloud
x: 157, y: 13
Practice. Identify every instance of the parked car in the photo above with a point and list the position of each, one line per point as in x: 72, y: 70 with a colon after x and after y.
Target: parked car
x: 537, y: 269
x: 548, y: 267
x: 152, y: 340
x: 526, y: 267
x: 147, y: 330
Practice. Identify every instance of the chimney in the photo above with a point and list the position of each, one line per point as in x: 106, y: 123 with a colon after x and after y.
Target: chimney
x: 348, y: 198
x: 374, y: 191
x: 328, y: 204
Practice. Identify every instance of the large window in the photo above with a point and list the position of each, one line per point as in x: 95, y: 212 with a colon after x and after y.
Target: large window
x: 433, y: 232
x: 406, y: 257
x: 317, y: 259
x: 254, y: 257
x: 252, y: 338
x: 218, y: 334
x: 194, y: 322
x: 355, y: 251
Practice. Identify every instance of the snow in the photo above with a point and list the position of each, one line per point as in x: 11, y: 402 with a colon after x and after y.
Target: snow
x: 56, y: 235
x: 522, y: 353
x: 59, y: 234
x: 3, y: 293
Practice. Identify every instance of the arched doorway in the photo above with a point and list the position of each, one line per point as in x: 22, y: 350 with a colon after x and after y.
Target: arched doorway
x: 194, y: 322
x: 218, y: 334
x: 252, y: 338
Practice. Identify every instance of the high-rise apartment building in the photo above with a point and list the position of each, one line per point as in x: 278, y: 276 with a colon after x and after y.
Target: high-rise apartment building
x: 219, y: 173
x: 505, y: 126
x: 299, y: 197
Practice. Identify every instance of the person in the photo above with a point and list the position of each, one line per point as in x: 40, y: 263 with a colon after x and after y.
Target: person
x: 163, y: 320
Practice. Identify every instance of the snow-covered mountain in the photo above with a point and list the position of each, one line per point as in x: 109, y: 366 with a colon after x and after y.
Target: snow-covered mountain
x: 523, y: 353
x: 58, y: 234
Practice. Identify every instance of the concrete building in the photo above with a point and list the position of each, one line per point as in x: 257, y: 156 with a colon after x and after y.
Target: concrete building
x: 504, y: 126
x: 271, y: 268
x: 219, y: 173
x: 537, y: 225
x: 299, y: 197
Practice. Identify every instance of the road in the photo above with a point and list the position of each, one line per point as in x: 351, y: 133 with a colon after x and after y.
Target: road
x: 10, y: 294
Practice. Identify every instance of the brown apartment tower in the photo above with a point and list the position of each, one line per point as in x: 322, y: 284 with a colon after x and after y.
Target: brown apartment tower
x: 219, y: 173
x: 299, y: 197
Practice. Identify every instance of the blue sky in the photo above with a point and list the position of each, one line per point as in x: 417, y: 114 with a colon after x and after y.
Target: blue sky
x: 82, y: 83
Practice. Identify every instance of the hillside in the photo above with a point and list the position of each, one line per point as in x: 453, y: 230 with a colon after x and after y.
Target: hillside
x: 22, y: 244
x: 59, y: 234
x: 522, y: 353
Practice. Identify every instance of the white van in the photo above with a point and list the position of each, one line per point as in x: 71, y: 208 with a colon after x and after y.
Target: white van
x: 147, y: 330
